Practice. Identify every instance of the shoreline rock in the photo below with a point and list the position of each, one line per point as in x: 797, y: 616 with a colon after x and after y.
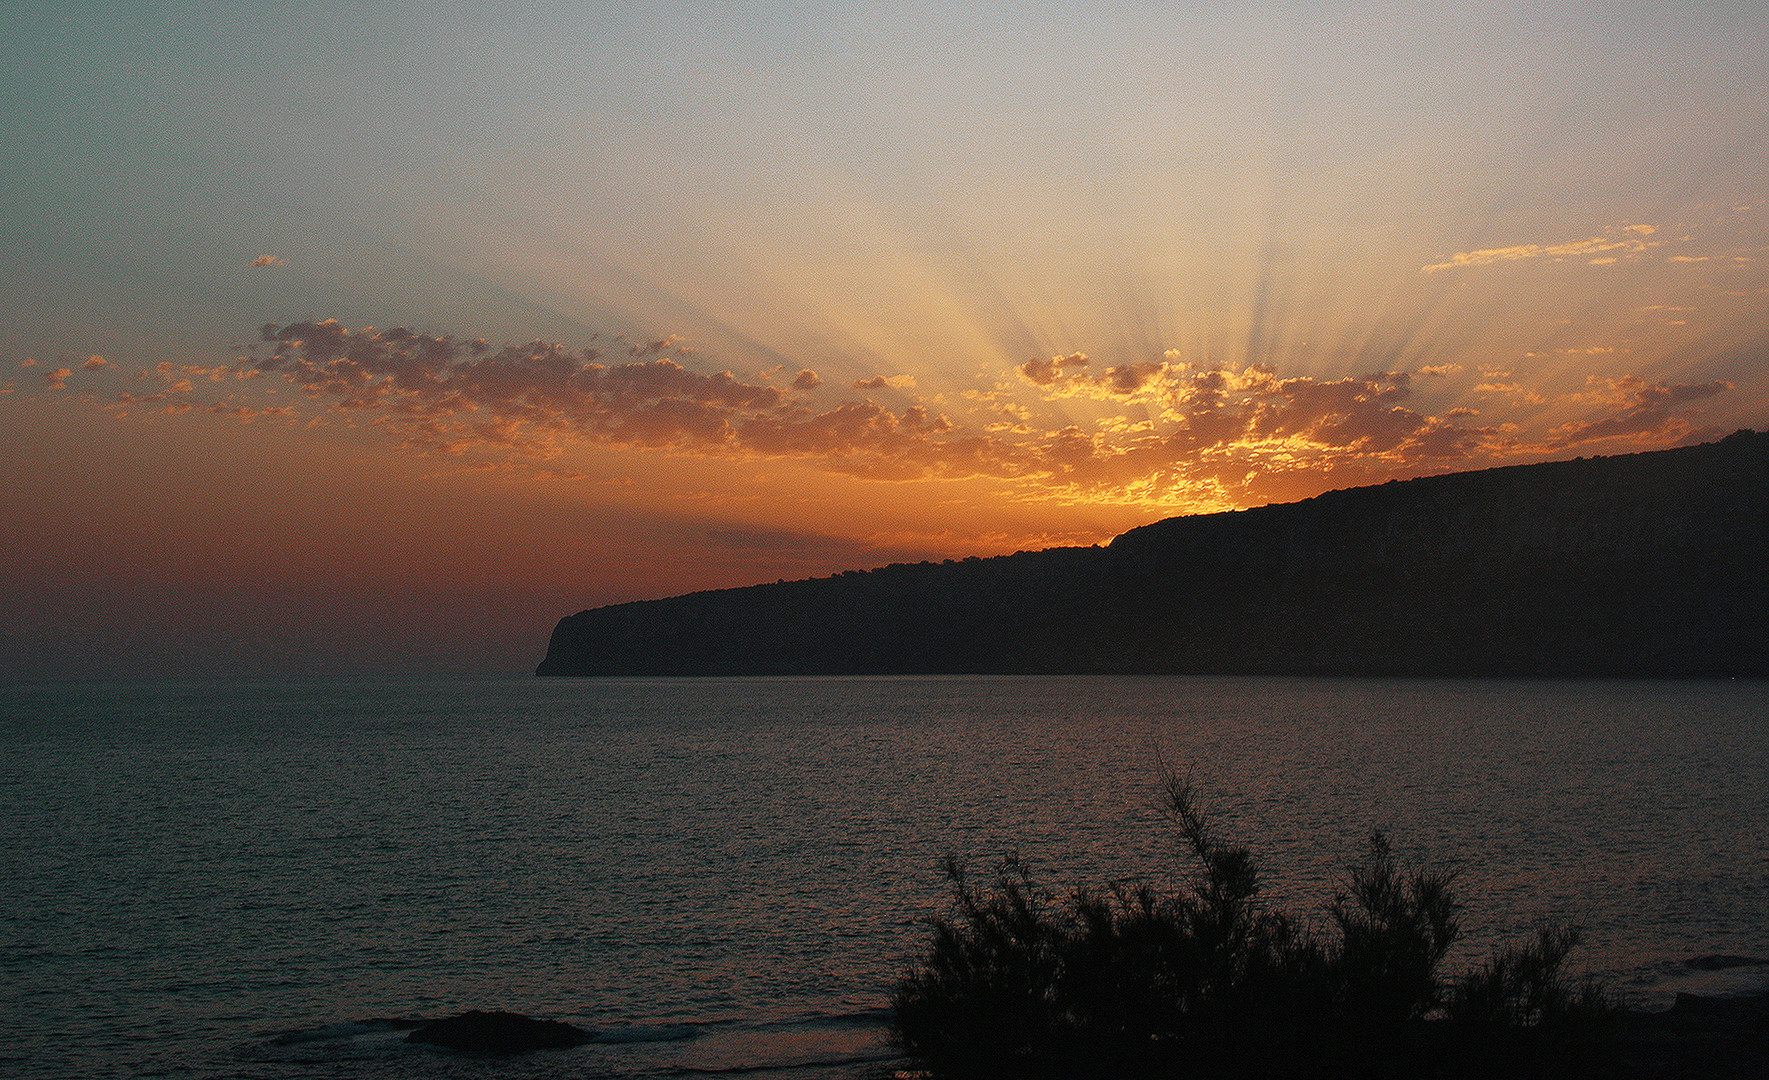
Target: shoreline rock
x: 497, y: 1032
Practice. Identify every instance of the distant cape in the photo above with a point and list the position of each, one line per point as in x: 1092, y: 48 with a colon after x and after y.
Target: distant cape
x: 1650, y: 564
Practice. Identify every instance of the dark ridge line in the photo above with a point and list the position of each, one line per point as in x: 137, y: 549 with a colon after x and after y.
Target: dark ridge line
x: 1636, y: 565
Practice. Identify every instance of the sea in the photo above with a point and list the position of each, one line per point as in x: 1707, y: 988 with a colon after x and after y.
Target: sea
x: 724, y: 877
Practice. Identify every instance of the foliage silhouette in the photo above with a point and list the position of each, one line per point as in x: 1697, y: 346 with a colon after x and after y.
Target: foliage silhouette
x: 1209, y: 980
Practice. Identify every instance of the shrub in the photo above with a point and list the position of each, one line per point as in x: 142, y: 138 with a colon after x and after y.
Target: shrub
x: 1524, y: 986
x: 984, y: 1001
x: 1208, y: 980
x: 1394, y: 929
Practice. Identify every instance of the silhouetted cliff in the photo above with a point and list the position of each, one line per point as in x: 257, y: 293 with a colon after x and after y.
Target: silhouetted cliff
x: 1643, y: 564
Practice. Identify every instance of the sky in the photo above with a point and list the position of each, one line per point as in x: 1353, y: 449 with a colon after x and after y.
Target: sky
x: 375, y: 337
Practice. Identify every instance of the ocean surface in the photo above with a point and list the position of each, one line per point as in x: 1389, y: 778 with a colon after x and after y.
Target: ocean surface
x: 212, y: 880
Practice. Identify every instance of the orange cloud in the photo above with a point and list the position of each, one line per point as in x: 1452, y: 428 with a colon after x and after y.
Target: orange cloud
x: 1057, y: 379
x: 1045, y: 372
x: 1627, y: 240
x: 1634, y: 408
x: 1207, y: 437
x: 886, y: 382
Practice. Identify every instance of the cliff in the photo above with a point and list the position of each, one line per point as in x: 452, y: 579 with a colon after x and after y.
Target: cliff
x: 1642, y: 564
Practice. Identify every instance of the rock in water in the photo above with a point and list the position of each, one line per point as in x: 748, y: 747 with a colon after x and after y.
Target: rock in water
x: 482, y: 1032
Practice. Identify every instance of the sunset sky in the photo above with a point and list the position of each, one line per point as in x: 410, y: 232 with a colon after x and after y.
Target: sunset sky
x: 344, y: 337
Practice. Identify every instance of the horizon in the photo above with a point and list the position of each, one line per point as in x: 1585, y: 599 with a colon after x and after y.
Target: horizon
x: 340, y: 345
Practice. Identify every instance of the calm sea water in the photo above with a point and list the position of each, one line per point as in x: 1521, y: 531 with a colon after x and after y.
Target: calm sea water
x: 248, y: 880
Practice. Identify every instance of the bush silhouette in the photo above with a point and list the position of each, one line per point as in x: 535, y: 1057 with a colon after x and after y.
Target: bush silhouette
x: 1394, y: 929
x: 1208, y: 980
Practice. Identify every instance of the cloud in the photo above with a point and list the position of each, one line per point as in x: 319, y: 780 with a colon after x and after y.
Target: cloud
x: 792, y: 546
x: 1130, y: 378
x: 266, y: 260
x: 862, y: 438
x: 441, y: 394
x: 245, y: 414
x: 1045, y: 372
x: 57, y: 379
x: 175, y: 400
x: 93, y: 363
x: 1239, y: 435
x: 1359, y: 415
x: 1615, y: 243
x: 886, y: 382
x: 437, y: 384
x: 1163, y: 431
x: 1515, y: 390
x: 1064, y: 376
x: 1632, y: 408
